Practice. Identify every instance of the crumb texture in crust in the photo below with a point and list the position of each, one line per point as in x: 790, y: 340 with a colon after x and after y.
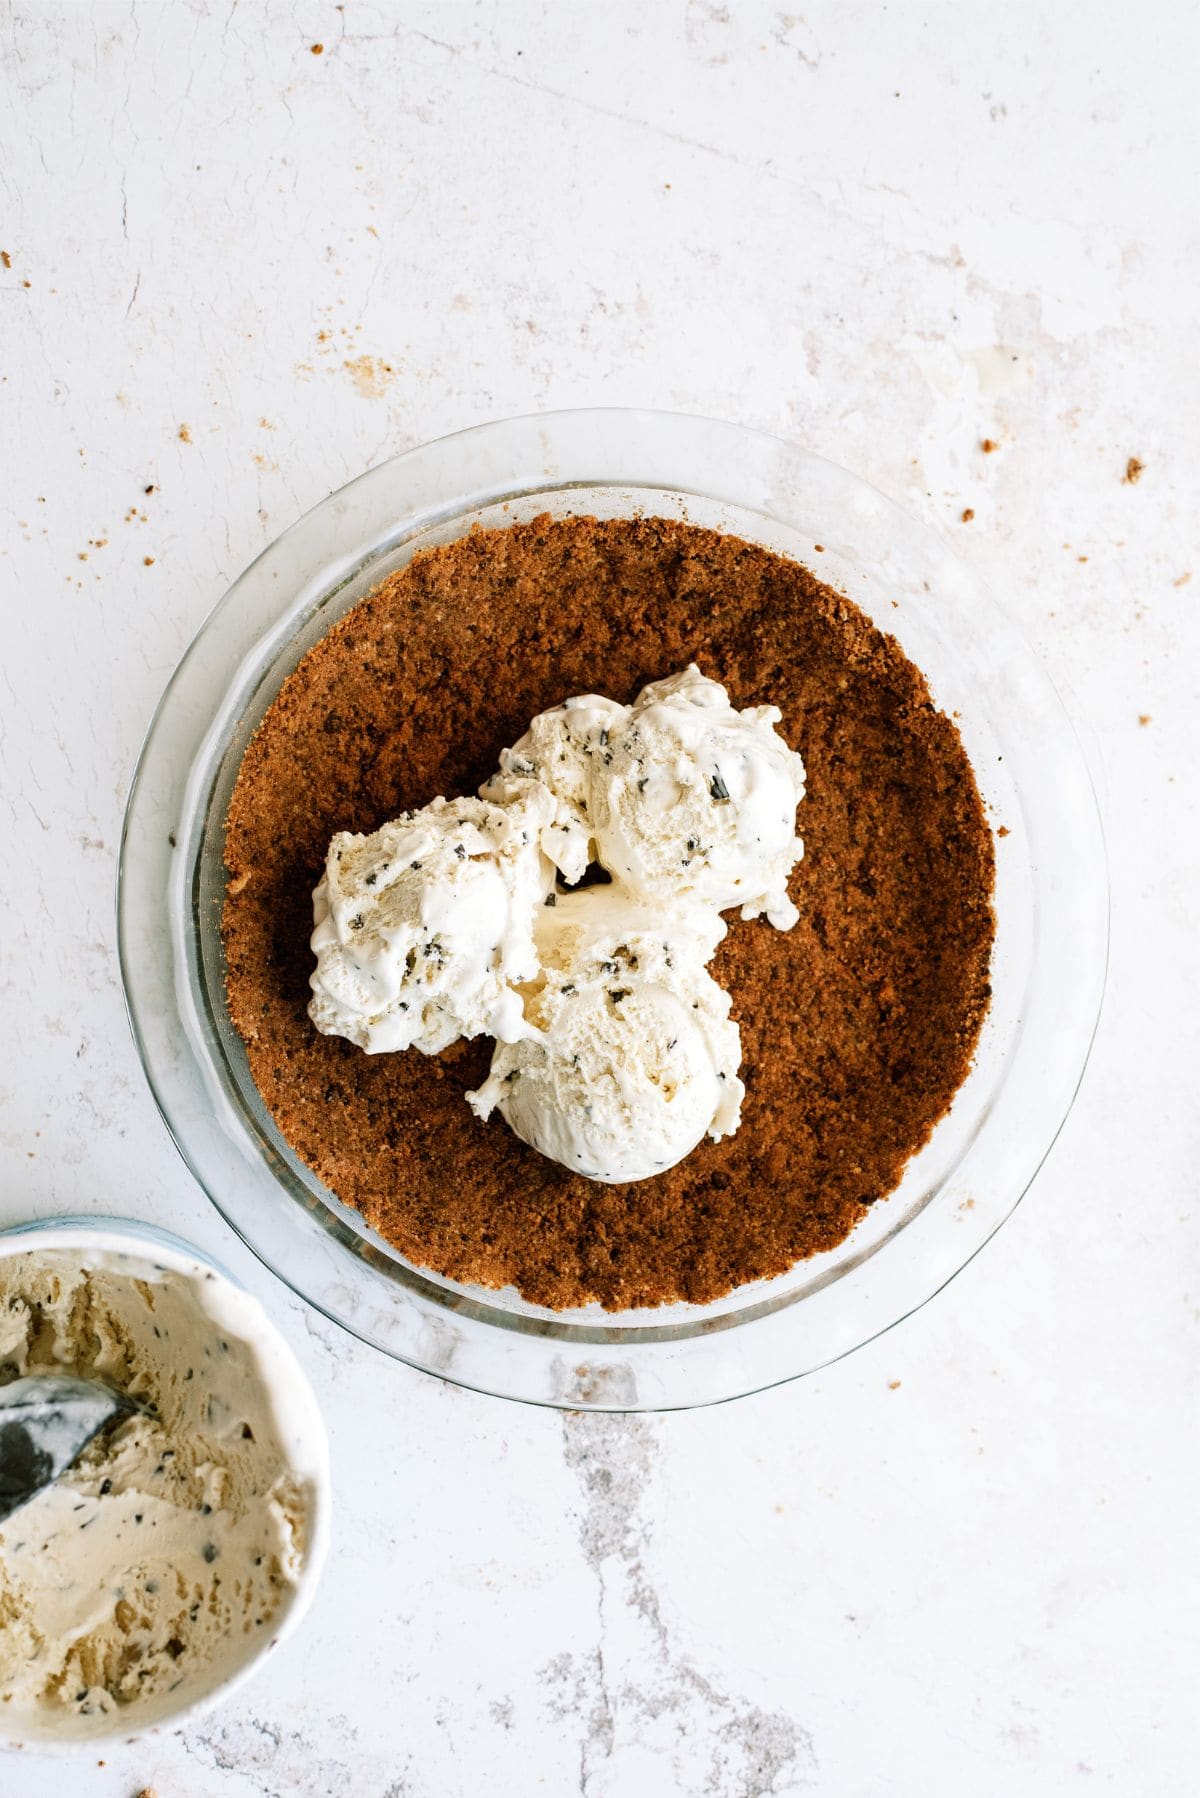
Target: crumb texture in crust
x: 858, y: 1026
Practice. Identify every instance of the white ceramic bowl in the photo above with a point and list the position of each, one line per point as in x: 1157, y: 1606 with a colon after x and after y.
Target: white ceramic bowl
x: 120, y: 1244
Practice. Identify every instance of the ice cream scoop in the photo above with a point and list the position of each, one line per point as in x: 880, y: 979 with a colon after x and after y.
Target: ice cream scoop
x: 695, y: 800
x: 423, y: 928
x: 46, y: 1422
x: 561, y: 751
x: 632, y: 1056
x: 678, y: 795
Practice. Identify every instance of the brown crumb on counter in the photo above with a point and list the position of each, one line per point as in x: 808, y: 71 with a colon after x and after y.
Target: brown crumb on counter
x: 148, y: 561
x: 1144, y: 718
x: 5, y: 258
x: 1002, y: 830
x: 989, y: 446
x: 371, y: 375
x: 858, y: 1025
x: 968, y: 514
x: 1133, y: 471
x: 317, y: 49
x: 893, y: 1385
x: 185, y: 433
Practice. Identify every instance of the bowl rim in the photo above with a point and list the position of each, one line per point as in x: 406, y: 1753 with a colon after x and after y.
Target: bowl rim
x: 141, y: 1240
x: 630, y: 420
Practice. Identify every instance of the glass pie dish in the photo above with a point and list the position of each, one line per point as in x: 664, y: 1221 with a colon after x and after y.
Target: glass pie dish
x: 1051, y: 901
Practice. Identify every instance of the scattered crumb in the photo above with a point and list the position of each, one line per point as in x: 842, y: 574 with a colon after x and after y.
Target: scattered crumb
x: 1002, y: 830
x: 1081, y: 558
x: 989, y: 446
x: 27, y: 284
x: 893, y: 1385
x: 968, y: 514
x: 318, y: 49
x: 185, y: 433
x: 371, y: 375
x: 148, y: 561
x: 1133, y: 471
x: 819, y: 548
x: 264, y: 424
x: 1143, y: 718
x: 146, y: 1791
x: 1183, y: 579
x: 5, y: 258
x: 83, y: 555
x: 150, y: 489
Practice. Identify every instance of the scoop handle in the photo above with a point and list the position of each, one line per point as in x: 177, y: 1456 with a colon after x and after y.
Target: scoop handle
x: 46, y: 1421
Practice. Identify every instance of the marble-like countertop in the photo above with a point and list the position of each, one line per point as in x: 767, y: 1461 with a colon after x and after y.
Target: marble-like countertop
x: 252, y: 248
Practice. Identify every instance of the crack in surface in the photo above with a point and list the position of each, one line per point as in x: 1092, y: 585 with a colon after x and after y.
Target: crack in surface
x: 644, y: 1698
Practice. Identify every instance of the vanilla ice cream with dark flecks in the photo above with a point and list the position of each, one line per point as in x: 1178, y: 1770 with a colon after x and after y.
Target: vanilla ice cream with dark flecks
x: 424, y: 928
x: 632, y: 1057
x: 616, y: 1051
x: 679, y: 796
x: 165, y: 1556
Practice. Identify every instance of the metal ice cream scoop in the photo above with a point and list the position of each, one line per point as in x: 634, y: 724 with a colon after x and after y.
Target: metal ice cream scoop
x: 46, y: 1421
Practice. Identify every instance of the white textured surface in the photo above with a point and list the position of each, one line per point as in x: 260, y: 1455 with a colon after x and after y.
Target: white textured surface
x: 963, y: 1560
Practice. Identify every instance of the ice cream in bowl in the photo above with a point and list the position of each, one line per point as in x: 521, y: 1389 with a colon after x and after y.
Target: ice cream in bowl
x: 185, y: 1542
